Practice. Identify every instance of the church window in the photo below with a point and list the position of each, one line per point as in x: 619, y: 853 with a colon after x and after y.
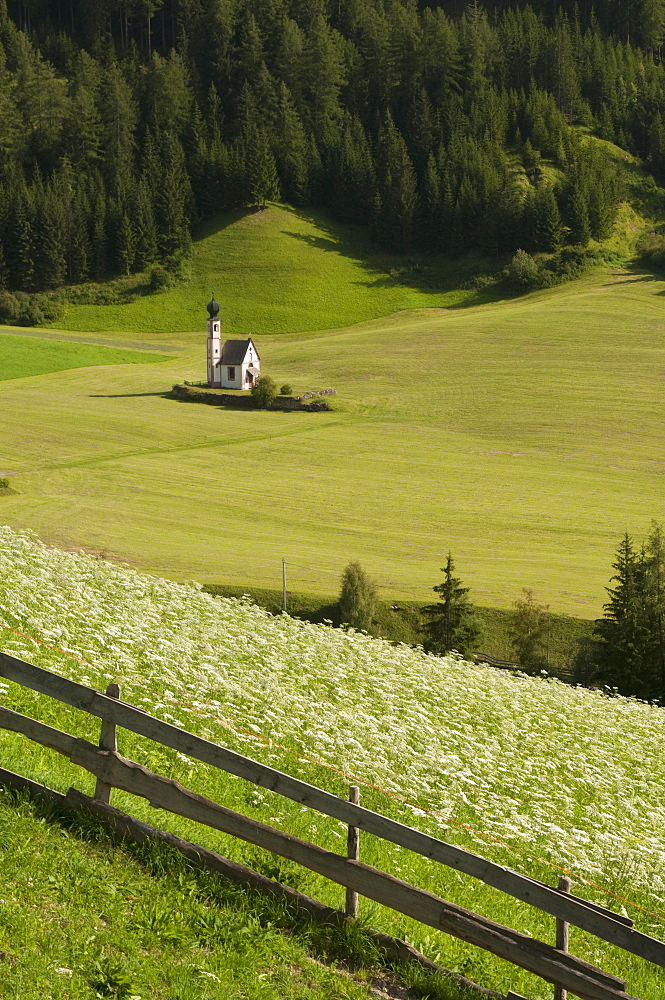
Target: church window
x: 231, y: 373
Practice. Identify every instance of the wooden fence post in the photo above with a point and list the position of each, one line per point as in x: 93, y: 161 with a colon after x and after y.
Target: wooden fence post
x: 562, y: 928
x: 107, y: 741
x: 353, y: 852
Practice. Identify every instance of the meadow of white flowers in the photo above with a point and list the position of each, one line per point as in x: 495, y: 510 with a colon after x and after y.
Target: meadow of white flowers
x: 560, y: 772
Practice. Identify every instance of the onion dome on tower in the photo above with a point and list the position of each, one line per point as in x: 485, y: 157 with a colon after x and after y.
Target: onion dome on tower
x: 213, y: 307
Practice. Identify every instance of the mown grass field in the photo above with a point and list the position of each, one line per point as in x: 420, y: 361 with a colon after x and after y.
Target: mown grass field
x: 525, y: 436
x: 21, y: 357
x: 533, y: 774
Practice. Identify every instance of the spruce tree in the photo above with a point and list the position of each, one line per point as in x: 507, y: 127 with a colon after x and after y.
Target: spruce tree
x: 126, y: 244
x: 49, y: 250
x: 262, y: 177
x: 397, y: 188
x: 292, y: 149
x: 21, y: 243
x: 580, y: 225
x: 655, y: 584
x: 453, y: 621
x: 548, y: 229
x: 431, y: 207
x: 172, y: 199
x: 624, y: 631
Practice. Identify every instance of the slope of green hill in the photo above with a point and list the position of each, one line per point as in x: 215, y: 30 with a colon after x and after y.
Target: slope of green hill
x: 84, y: 916
x: 533, y: 774
x: 281, y: 271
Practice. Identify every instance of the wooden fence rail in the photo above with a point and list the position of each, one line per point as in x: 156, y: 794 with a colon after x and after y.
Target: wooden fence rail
x: 113, y: 770
x: 567, y: 972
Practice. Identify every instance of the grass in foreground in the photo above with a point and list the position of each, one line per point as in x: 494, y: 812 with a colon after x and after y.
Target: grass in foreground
x: 21, y: 357
x: 535, y: 775
x: 84, y: 916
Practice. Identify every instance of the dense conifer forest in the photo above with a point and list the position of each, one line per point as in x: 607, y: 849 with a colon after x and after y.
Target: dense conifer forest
x: 442, y: 126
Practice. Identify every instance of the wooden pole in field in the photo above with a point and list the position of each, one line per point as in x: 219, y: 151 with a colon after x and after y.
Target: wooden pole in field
x: 562, y: 928
x: 353, y: 852
x: 284, y: 585
x: 107, y: 741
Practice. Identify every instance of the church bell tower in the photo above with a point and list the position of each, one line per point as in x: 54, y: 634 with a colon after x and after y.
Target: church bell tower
x: 214, y: 344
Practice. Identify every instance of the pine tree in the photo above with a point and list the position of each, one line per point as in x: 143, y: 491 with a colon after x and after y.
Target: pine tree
x: 547, y: 227
x: 262, y: 177
x: 21, y: 241
x: 580, y: 226
x: 126, y: 244
x: 453, y: 622
x: 624, y: 631
x: 397, y: 189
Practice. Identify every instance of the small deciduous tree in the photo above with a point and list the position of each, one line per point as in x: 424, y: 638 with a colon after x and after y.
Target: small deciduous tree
x: 357, y: 598
x: 523, y: 271
x: 528, y: 628
x: 453, y: 621
x: 264, y: 391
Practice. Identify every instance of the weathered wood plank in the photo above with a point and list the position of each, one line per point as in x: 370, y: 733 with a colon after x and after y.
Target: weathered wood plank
x: 585, y: 980
x: 107, y: 741
x: 353, y: 852
x: 589, y: 917
x: 562, y: 938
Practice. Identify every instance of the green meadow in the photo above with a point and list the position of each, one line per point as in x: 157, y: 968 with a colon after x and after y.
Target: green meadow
x: 525, y: 435
x: 29, y: 355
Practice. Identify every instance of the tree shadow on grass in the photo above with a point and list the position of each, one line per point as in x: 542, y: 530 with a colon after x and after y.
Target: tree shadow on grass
x: 126, y: 395
x: 217, y: 223
x: 429, y: 273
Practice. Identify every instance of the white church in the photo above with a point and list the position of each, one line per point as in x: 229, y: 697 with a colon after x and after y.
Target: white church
x: 235, y: 364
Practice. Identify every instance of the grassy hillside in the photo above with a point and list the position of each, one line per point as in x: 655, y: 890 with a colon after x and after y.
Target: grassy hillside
x: 533, y: 774
x: 83, y: 916
x: 281, y: 272
x: 525, y: 436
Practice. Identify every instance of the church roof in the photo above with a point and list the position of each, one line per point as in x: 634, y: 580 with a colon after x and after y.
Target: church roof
x: 235, y: 351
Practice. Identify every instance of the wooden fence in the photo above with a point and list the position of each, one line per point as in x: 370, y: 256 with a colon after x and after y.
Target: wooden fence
x: 554, y: 964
